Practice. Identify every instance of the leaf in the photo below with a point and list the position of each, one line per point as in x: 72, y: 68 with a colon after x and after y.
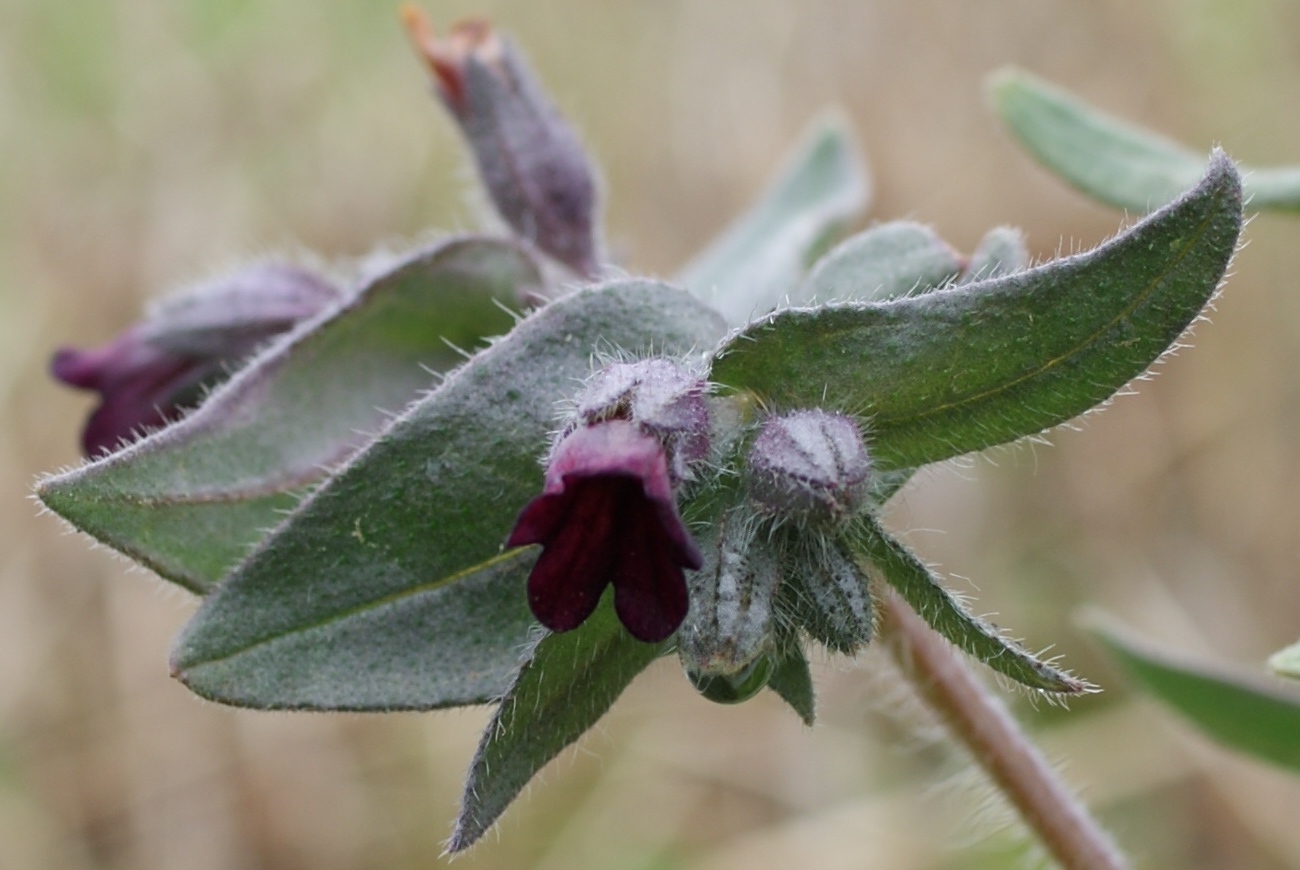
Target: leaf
x: 762, y: 256
x: 1001, y: 252
x: 1242, y: 710
x: 898, y: 258
x: 926, y: 594
x: 792, y: 681
x: 1286, y: 661
x: 961, y: 369
x: 829, y: 597
x: 191, y: 500
x: 456, y: 640
x: 1116, y: 162
x: 420, y: 512
x: 568, y: 682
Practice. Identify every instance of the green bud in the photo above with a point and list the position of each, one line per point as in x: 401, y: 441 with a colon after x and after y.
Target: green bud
x: 729, y: 626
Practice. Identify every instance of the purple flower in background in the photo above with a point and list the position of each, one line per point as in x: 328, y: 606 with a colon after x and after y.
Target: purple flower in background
x: 185, y: 344
x: 606, y: 516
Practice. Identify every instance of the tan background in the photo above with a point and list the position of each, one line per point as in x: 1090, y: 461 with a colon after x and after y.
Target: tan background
x: 144, y: 143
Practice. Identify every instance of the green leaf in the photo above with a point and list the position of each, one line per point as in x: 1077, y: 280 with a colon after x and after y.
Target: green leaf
x: 1116, y: 162
x: 1286, y: 662
x: 893, y: 259
x: 926, y: 594
x: 420, y: 512
x: 792, y: 681
x: 1001, y: 252
x: 761, y: 257
x: 1243, y: 710
x: 563, y: 688
x: 961, y: 369
x: 828, y: 595
x: 452, y: 641
x: 192, y: 500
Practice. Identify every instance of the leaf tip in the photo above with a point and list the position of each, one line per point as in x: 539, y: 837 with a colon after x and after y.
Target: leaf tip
x: 1222, y: 172
x: 1003, y: 82
x: 1286, y: 662
x: 469, y: 827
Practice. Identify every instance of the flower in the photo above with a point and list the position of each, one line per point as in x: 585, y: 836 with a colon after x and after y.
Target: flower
x: 529, y: 158
x: 606, y: 516
x: 183, y: 346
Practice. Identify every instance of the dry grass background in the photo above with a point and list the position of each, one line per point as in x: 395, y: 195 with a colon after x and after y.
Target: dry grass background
x: 144, y: 143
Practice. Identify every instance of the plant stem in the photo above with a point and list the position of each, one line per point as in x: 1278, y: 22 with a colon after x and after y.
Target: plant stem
x: 980, y: 721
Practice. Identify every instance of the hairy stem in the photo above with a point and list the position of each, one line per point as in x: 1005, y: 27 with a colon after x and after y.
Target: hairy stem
x: 980, y: 721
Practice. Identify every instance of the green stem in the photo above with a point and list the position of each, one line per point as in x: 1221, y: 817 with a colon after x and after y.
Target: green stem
x: 981, y: 722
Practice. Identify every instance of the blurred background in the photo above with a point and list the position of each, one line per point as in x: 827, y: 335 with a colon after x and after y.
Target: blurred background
x: 144, y: 144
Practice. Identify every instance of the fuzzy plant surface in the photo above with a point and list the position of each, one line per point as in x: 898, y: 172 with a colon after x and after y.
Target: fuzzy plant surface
x: 1122, y: 164
x: 349, y: 479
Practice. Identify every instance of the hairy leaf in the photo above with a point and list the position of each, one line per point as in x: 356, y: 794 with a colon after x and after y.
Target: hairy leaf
x: 1286, y: 661
x: 926, y: 594
x: 792, y: 681
x: 898, y: 258
x: 419, y: 513
x: 961, y: 369
x: 192, y: 499
x: 1001, y: 252
x: 1114, y: 161
x: 568, y: 682
x: 761, y: 257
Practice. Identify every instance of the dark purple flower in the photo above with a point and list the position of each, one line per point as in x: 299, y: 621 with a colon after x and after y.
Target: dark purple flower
x: 184, y: 345
x: 606, y: 515
x: 529, y: 159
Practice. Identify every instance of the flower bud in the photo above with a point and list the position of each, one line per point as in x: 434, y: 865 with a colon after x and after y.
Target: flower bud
x: 726, y: 641
x: 809, y: 466
x: 528, y: 158
x: 184, y: 345
x: 664, y: 399
x: 829, y: 597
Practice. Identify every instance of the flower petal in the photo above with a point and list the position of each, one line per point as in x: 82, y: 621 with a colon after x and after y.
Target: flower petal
x: 141, y: 387
x: 650, y: 588
x: 540, y: 519
x: 581, y: 558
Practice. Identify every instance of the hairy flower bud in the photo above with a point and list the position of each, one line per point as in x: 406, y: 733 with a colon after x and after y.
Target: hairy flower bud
x: 829, y: 596
x: 184, y: 345
x: 529, y: 159
x: 809, y: 466
x: 726, y: 641
x: 659, y: 395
